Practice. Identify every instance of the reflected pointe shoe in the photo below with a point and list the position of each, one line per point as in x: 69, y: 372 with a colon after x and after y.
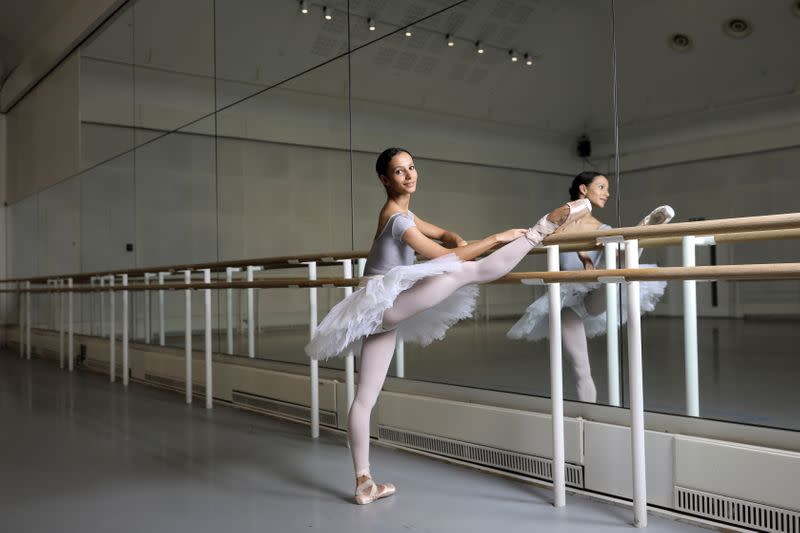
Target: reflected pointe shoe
x: 557, y: 218
x: 660, y: 215
x: 368, y: 491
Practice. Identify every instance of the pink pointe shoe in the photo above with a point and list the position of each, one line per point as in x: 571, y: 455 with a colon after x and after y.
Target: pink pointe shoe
x: 368, y: 491
x: 660, y: 215
x: 559, y: 217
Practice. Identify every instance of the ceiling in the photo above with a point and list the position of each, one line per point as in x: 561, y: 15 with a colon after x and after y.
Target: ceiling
x: 20, y: 25
x: 568, y: 90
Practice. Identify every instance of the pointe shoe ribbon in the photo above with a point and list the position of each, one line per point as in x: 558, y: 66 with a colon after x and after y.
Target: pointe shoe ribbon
x: 577, y: 210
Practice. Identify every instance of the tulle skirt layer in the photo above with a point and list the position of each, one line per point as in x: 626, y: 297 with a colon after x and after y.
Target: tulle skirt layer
x: 361, y: 314
x: 535, y: 323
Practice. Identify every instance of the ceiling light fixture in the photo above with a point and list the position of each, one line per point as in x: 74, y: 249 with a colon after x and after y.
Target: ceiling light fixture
x: 528, y: 60
x: 450, y: 41
x: 326, y: 13
x: 371, y: 24
x: 680, y: 42
x: 408, y: 32
x: 303, y: 7
x: 513, y: 55
x: 737, y: 28
x: 479, y: 47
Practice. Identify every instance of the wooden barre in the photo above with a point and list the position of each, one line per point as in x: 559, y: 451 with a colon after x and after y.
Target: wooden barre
x: 753, y: 272
x: 744, y: 229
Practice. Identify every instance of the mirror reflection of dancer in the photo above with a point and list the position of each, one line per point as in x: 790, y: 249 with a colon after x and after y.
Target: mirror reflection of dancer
x: 583, y: 306
x: 415, y: 302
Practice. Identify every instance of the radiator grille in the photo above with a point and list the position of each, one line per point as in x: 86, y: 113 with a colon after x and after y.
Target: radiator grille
x: 530, y: 465
x: 177, y: 384
x: 101, y: 367
x: 270, y: 405
x: 734, y: 511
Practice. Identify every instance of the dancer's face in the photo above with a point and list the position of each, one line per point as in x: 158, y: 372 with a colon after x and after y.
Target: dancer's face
x: 402, y: 175
x: 597, y: 191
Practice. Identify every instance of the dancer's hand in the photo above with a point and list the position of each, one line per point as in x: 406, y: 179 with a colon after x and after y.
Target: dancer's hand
x: 451, y: 239
x: 510, y: 235
x: 586, y: 260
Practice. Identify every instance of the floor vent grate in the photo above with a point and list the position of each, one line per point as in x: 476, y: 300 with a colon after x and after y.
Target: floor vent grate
x: 734, y: 511
x: 269, y: 405
x: 529, y: 465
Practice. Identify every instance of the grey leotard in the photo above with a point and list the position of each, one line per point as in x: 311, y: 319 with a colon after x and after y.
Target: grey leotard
x: 389, y: 250
x: 570, y: 260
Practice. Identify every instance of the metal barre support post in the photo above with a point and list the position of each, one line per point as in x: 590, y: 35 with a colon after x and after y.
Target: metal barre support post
x: 187, y: 337
x: 612, y: 326
x: 313, y: 363
x: 556, y: 380
x: 688, y: 252
x: 636, y: 390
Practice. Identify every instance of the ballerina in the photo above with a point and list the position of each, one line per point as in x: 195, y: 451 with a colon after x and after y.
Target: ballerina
x: 415, y: 302
x: 583, y: 313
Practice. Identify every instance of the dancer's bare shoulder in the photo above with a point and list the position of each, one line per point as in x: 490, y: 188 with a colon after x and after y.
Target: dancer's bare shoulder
x: 388, y: 211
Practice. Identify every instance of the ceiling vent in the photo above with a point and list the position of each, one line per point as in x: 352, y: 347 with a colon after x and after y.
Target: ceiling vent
x: 680, y: 42
x: 737, y: 28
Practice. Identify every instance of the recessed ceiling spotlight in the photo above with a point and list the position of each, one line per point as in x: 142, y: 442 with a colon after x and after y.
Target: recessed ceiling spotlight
x: 371, y: 24
x: 450, y: 41
x: 326, y: 13
x: 528, y: 59
x: 303, y: 7
x: 408, y: 32
x: 796, y: 7
x: 737, y: 27
x: 680, y: 42
x: 479, y: 47
x: 513, y: 55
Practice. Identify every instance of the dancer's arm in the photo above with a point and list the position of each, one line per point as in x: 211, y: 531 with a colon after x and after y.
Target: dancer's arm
x: 450, y: 239
x: 431, y: 249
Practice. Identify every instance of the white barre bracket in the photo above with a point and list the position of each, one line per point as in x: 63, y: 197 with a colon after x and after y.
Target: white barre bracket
x: 610, y: 239
x: 705, y: 240
x: 611, y: 279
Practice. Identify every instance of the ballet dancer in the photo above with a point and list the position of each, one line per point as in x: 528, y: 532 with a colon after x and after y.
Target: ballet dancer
x: 415, y: 302
x: 582, y: 304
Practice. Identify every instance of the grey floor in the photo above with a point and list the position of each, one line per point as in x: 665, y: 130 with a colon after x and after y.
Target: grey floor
x: 78, y: 454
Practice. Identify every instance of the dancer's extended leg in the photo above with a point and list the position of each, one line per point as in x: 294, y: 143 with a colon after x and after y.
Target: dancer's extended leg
x: 574, y: 335
x: 376, y: 356
x: 433, y: 290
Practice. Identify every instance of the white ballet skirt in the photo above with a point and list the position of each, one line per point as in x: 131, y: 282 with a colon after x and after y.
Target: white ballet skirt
x: 361, y: 314
x: 535, y: 324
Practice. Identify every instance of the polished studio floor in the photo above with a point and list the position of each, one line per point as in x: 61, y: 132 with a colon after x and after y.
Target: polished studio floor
x: 79, y: 454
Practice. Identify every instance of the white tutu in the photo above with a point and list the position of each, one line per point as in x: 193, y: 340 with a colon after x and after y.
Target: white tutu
x: 361, y: 313
x: 535, y: 324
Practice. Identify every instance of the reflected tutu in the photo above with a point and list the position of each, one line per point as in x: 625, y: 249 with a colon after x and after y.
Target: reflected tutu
x: 535, y: 324
x: 361, y: 313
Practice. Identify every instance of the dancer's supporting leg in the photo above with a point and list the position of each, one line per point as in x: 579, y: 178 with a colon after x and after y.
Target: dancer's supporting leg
x: 376, y: 355
x: 574, y: 335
